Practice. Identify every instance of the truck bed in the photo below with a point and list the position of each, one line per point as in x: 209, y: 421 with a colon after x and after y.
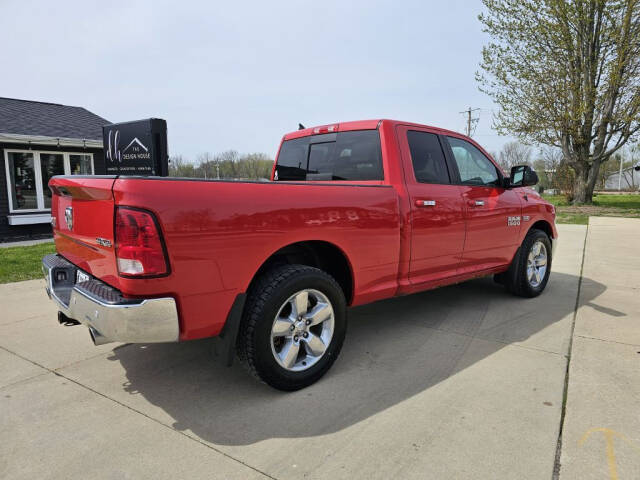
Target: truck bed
x: 219, y: 233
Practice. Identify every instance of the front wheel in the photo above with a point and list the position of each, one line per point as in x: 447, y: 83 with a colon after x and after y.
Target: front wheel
x: 293, y: 326
x: 529, y: 272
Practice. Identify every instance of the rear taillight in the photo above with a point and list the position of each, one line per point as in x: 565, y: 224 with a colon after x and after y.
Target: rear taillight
x: 139, y: 248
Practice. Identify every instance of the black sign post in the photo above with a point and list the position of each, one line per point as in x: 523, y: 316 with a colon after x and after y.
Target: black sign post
x: 136, y: 148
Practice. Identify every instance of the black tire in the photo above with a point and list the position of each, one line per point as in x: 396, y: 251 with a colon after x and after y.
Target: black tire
x: 516, y: 279
x: 264, y: 301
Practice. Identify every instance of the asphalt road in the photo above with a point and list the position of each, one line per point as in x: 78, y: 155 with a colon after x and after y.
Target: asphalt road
x: 462, y: 382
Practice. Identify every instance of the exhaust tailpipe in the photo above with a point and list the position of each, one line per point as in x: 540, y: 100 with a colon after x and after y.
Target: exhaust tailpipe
x: 66, y: 321
x: 97, y: 337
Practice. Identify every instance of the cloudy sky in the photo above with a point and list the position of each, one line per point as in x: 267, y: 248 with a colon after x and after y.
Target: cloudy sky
x: 239, y: 74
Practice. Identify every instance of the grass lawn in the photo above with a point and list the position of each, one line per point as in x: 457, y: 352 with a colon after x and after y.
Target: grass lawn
x: 603, y: 206
x: 23, y: 263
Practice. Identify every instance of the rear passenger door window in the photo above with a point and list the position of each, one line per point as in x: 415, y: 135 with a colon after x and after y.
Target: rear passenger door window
x: 429, y: 165
x: 475, y: 169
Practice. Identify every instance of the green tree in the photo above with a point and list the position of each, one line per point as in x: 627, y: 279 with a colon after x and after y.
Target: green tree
x: 539, y: 167
x: 256, y: 166
x: 565, y: 73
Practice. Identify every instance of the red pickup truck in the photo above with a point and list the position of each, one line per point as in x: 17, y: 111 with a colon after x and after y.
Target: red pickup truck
x: 355, y: 212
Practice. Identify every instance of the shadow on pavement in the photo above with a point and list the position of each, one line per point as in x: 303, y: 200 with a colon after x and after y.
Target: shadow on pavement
x: 394, y: 349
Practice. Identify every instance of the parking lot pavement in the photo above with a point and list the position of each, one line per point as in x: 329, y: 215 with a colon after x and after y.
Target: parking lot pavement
x: 601, y: 434
x: 462, y: 382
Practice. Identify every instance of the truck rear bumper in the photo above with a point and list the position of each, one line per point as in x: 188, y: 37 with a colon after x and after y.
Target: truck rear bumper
x: 109, y: 316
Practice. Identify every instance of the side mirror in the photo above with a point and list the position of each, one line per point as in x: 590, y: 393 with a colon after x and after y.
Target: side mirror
x: 522, y: 176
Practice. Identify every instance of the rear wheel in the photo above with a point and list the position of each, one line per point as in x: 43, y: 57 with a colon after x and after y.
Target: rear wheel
x: 529, y: 273
x: 293, y: 326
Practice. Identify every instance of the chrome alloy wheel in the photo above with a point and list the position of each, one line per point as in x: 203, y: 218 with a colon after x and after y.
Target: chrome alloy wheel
x: 302, y: 330
x: 537, y: 264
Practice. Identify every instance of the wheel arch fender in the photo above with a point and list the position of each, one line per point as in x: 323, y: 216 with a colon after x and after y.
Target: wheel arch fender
x: 543, y: 225
x: 322, y: 254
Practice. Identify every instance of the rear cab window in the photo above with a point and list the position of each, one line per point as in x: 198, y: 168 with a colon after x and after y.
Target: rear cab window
x: 342, y: 156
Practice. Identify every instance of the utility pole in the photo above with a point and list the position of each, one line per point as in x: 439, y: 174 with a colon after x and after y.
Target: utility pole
x: 471, y: 121
x: 620, y: 175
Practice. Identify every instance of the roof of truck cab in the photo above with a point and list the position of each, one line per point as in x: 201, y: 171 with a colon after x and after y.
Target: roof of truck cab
x: 362, y: 125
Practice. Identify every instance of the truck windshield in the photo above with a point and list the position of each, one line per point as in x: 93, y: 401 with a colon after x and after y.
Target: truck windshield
x: 350, y: 156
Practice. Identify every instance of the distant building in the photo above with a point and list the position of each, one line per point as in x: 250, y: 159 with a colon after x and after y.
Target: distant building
x: 37, y: 141
x: 630, y: 179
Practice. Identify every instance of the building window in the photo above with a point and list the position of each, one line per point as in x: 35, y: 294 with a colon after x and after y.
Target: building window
x: 80, y: 164
x: 51, y: 164
x: 22, y: 187
x: 29, y: 172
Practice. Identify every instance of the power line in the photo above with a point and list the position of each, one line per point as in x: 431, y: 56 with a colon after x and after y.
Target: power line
x: 471, y: 121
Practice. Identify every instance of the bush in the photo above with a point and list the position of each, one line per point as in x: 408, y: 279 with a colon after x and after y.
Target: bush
x: 563, y: 181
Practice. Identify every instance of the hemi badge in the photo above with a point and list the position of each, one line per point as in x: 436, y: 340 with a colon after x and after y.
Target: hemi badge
x: 525, y: 218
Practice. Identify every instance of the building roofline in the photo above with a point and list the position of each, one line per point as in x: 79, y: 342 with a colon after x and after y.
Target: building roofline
x: 44, y: 140
x: 37, y: 101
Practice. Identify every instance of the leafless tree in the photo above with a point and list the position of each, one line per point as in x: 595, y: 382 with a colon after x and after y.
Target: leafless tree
x: 512, y: 154
x: 179, y: 167
x: 551, y: 156
x: 207, y: 165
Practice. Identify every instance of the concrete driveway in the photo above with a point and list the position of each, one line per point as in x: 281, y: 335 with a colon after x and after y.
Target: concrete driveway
x: 461, y: 382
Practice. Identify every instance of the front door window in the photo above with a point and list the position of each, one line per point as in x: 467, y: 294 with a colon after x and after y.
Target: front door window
x: 474, y: 167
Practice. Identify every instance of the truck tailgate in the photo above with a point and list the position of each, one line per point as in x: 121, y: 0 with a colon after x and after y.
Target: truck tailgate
x: 82, y: 211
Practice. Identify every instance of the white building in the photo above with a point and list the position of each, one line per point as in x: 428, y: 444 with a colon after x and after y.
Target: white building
x: 630, y: 179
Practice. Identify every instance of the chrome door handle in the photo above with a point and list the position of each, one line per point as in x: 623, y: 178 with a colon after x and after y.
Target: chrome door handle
x: 425, y: 203
x: 479, y: 203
